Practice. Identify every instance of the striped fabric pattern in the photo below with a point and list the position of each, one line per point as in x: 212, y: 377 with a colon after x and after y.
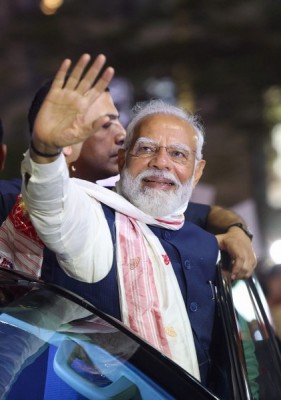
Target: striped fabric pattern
x: 20, y: 247
x: 151, y: 301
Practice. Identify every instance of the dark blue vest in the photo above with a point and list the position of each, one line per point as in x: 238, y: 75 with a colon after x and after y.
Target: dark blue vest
x: 193, y: 253
x: 9, y: 190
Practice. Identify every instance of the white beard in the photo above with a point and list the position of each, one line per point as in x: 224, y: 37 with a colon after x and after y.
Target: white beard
x: 152, y: 201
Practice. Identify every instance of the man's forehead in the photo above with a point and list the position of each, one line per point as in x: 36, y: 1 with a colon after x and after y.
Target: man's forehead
x: 107, y: 96
x: 106, y: 100
x: 148, y: 140
x: 113, y: 117
x: 162, y: 119
x: 174, y: 126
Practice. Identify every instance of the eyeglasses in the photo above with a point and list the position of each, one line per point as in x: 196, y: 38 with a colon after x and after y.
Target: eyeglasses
x: 176, y: 153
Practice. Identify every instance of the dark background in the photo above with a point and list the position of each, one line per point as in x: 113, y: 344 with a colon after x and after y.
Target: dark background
x: 221, y: 59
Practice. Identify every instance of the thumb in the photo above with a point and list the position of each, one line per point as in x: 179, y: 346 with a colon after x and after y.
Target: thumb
x: 220, y: 241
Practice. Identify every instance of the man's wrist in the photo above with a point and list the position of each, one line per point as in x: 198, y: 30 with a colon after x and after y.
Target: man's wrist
x: 243, y: 227
x: 46, y: 153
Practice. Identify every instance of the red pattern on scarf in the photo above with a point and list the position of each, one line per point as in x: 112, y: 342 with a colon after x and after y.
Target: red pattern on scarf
x: 20, y: 219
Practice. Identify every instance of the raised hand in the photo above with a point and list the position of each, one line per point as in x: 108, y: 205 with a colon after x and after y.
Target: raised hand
x: 68, y: 114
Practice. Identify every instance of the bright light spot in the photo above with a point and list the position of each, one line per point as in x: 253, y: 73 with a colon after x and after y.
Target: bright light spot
x: 276, y: 166
x: 49, y: 7
x: 242, y: 301
x: 274, y: 194
x: 275, y: 251
x: 273, y: 190
x: 276, y: 138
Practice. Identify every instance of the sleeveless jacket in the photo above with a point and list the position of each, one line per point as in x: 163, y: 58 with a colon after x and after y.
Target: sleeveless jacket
x: 193, y: 253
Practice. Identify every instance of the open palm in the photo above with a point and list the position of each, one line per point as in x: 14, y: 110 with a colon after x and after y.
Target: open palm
x: 68, y: 114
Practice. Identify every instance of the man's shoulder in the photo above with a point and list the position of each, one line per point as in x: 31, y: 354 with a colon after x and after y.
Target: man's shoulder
x: 200, y: 240
x: 197, y: 213
x: 10, y: 186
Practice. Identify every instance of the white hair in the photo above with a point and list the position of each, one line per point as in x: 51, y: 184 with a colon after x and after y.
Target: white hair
x: 145, y: 109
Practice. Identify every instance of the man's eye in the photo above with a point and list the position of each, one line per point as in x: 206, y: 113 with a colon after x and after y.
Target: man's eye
x: 179, y: 154
x: 107, y: 125
x: 146, y: 149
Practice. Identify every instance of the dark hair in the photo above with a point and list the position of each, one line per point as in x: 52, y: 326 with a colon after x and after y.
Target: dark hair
x: 38, y: 101
x: 1, y: 131
x: 267, y: 276
x: 274, y: 271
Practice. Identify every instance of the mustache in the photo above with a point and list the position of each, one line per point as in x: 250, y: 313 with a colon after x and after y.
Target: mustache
x: 160, y: 174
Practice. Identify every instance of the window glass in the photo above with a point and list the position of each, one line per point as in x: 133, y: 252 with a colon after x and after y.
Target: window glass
x: 261, y: 354
x: 254, y: 352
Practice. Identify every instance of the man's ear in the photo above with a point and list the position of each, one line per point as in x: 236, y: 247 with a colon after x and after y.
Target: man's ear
x: 67, y: 151
x: 72, y: 153
x: 3, y: 155
x: 198, y: 171
x: 121, y: 159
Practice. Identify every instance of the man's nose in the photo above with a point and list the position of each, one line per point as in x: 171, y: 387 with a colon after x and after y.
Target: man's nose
x: 160, y: 159
x: 120, y: 134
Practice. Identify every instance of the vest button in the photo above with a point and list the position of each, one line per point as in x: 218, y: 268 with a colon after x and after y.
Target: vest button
x: 187, y: 264
x: 167, y: 235
x: 193, y: 306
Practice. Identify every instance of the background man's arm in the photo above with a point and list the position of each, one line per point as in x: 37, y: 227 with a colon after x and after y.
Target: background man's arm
x: 233, y: 240
x: 219, y: 219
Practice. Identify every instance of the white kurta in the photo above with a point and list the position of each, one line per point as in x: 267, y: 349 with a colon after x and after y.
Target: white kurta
x: 72, y: 224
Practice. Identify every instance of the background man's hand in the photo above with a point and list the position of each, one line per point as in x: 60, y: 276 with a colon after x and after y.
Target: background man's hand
x: 240, y: 249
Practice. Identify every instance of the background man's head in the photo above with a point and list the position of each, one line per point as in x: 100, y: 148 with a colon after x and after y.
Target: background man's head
x: 3, y: 147
x: 96, y: 158
x: 162, y: 158
x: 271, y: 282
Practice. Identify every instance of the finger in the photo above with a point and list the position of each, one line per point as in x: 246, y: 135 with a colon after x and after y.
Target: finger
x: 105, y: 79
x: 77, y: 72
x: 90, y: 77
x: 242, y: 268
x: 238, y: 265
x: 102, y: 83
x: 59, y: 78
x: 235, y: 269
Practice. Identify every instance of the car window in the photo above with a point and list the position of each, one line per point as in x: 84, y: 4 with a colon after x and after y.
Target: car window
x: 253, y: 348
x: 54, y: 345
